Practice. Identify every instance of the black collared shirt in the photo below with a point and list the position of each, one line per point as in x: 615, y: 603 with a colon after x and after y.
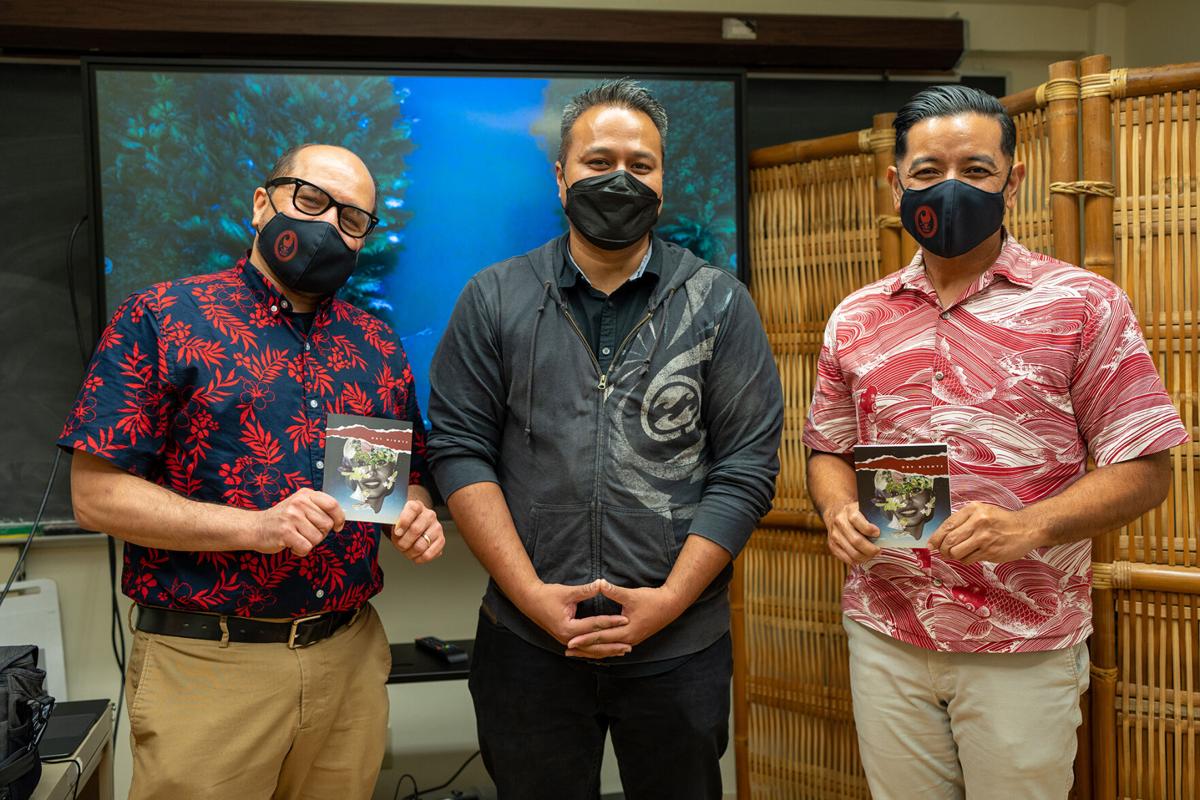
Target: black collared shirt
x: 606, y: 319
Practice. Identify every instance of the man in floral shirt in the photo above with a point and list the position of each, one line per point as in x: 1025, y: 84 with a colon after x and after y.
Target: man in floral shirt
x: 968, y: 658
x: 258, y: 666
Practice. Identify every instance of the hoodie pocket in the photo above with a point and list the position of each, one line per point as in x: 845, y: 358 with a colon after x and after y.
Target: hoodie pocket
x: 638, y: 548
x: 560, y: 543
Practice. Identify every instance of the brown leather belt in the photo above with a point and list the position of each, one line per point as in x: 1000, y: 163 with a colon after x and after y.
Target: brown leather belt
x: 299, y: 632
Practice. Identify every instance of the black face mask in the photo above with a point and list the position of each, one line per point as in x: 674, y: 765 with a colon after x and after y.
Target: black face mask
x: 307, y: 255
x: 612, y: 211
x: 952, y: 217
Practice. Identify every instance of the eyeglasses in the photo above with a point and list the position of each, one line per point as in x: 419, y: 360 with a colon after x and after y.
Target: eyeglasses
x: 314, y: 201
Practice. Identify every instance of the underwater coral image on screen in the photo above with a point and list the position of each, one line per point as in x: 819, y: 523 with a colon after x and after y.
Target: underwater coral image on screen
x: 465, y: 166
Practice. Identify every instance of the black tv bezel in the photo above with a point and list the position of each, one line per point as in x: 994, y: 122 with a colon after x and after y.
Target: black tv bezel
x: 90, y: 65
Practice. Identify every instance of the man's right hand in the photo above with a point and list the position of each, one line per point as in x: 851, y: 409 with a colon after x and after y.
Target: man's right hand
x: 850, y: 534
x: 297, y: 523
x: 553, y: 607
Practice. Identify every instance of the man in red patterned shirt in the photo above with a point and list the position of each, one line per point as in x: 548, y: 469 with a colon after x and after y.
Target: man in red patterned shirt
x: 1024, y: 366
x: 258, y: 667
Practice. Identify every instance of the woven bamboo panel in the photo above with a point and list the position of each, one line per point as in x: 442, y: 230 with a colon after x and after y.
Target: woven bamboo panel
x: 1156, y: 155
x: 813, y: 240
x: 1030, y: 220
x: 801, y: 727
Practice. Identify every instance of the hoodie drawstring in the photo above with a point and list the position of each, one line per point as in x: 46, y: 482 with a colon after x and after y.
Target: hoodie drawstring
x: 532, y: 351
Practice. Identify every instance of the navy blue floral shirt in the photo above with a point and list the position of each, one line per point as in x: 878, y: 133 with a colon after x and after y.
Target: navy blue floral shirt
x: 208, y: 387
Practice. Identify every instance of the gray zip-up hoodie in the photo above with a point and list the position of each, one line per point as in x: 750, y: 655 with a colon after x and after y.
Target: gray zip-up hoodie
x: 607, y: 474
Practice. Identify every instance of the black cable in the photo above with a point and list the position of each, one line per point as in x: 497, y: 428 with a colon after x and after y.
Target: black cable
x: 417, y: 795
x: 83, y: 351
x: 78, y: 774
x: 17, y: 567
x: 415, y: 790
x: 116, y: 627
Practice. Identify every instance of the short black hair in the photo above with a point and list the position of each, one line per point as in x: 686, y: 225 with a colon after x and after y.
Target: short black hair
x: 949, y: 100
x: 622, y: 93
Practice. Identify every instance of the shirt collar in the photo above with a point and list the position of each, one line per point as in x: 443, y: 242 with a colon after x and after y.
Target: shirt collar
x: 570, y: 273
x: 270, y: 298
x: 1014, y: 264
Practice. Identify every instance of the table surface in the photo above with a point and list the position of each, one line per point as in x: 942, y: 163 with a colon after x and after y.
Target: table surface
x: 59, y: 781
x: 412, y: 665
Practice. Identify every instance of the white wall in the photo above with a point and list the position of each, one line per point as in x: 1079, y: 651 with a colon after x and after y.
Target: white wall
x: 1162, y: 32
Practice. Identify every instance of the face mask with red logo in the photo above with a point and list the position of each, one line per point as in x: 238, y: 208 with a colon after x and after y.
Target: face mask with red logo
x: 952, y: 217
x: 308, y: 255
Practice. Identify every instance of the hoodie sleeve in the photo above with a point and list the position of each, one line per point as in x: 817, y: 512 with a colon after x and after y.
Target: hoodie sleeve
x: 743, y: 411
x: 466, y: 397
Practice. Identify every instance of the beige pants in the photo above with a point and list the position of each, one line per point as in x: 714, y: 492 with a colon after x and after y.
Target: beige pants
x: 251, y: 721
x: 953, y: 725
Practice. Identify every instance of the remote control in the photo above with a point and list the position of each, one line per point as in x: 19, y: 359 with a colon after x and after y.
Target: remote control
x: 450, y: 653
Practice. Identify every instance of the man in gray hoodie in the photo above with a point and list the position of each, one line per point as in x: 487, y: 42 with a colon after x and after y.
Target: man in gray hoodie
x: 606, y: 419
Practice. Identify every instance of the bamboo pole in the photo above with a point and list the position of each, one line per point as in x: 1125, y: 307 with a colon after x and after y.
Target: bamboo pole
x: 1155, y: 80
x: 842, y: 144
x: 1062, y: 119
x: 1138, y: 576
x: 741, y: 711
x: 883, y: 145
x: 1098, y: 165
x: 1097, y: 159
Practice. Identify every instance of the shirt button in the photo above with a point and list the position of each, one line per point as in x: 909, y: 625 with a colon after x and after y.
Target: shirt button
x: 274, y: 309
x: 283, y: 303
x: 320, y: 464
x: 937, y: 376
x: 320, y: 592
x: 937, y: 581
x: 307, y: 346
x: 605, y: 351
x: 945, y: 315
x: 312, y: 403
x: 985, y: 612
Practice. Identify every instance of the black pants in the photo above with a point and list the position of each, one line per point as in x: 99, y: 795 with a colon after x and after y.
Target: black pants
x: 542, y: 719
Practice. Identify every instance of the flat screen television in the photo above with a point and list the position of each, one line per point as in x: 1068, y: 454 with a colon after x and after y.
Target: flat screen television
x: 464, y: 160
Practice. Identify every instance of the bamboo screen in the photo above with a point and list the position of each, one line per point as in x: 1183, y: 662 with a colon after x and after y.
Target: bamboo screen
x: 1029, y: 221
x: 814, y: 239
x: 1154, y: 121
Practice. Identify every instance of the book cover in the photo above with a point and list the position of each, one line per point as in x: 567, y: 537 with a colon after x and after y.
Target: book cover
x: 366, y: 466
x: 904, y: 489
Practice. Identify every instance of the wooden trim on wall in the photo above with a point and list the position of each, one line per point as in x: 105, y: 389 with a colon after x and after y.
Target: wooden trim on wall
x: 302, y: 30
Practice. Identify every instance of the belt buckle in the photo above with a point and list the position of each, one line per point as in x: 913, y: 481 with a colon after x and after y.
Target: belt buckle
x: 291, y: 642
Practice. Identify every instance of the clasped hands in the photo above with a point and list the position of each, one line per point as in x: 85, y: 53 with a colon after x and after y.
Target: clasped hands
x: 976, y: 532
x: 644, y: 612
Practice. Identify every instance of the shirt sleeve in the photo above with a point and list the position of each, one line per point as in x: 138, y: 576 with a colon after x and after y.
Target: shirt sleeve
x: 832, y: 424
x: 1122, y: 409
x: 126, y: 402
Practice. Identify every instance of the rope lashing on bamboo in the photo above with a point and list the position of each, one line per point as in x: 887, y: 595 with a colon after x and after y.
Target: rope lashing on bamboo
x: 1057, y: 89
x: 1105, y: 674
x: 887, y: 221
x: 1119, y: 79
x: 1098, y: 188
x: 864, y: 140
x: 1098, y: 85
x: 882, y: 139
x: 1117, y: 575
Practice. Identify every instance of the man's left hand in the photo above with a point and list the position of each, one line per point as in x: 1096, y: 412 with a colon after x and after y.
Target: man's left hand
x: 984, y: 532
x: 648, y: 611
x: 418, y: 533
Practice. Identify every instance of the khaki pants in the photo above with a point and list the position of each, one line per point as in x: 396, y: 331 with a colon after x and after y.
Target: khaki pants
x: 953, y: 725
x: 251, y: 721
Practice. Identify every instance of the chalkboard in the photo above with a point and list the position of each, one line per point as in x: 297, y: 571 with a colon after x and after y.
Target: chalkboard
x: 43, y: 194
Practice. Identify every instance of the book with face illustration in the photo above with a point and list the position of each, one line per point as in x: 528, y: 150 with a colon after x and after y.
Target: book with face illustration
x: 904, y: 489
x: 366, y: 466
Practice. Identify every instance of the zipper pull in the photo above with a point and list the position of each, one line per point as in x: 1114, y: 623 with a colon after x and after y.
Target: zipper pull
x: 603, y: 382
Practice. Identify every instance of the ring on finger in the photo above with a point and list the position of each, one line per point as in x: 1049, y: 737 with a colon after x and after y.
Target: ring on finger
x: 428, y: 541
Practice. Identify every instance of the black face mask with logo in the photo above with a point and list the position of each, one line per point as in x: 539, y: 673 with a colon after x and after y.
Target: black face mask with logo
x: 952, y: 217
x: 612, y: 211
x: 307, y: 255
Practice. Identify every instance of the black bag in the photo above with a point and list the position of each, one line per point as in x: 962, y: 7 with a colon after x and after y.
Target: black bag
x: 24, y: 711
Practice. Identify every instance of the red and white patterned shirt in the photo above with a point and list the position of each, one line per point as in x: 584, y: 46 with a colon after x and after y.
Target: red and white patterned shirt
x: 1038, y: 364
